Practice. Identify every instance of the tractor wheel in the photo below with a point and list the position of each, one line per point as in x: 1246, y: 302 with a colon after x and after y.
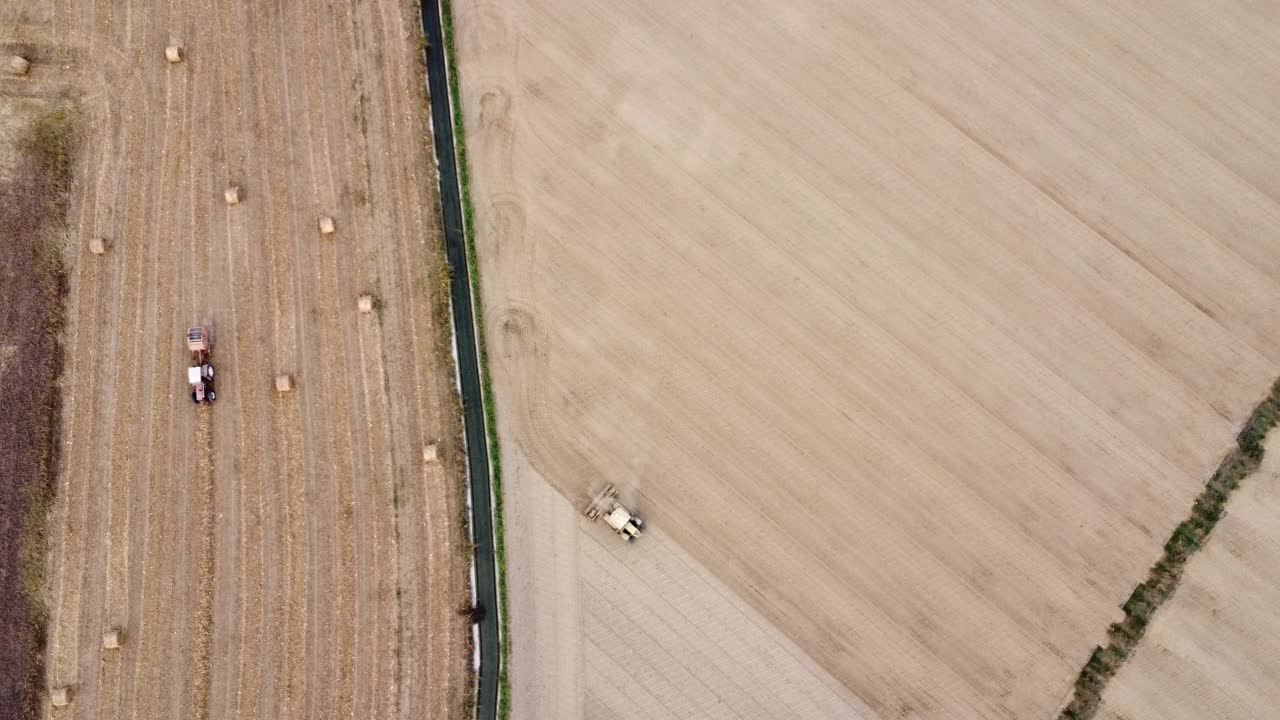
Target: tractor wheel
x: 211, y: 396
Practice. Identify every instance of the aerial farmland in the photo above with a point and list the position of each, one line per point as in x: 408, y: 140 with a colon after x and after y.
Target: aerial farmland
x: 912, y: 330
x: 587, y: 360
x: 296, y: 548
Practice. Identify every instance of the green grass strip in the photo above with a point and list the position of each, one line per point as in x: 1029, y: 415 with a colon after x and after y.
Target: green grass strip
x: 486, y: 384
x: 1163, y: 578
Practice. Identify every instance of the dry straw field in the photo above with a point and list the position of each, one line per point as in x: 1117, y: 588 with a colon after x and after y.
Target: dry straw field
x: 913, y: 328
x: 272, y: 555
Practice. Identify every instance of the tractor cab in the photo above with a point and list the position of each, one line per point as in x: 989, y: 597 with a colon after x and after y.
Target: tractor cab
x: 624, y: 523
x: 605, y: 506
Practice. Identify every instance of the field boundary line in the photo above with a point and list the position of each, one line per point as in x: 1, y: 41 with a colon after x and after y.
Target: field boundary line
x: 1162, y: 579
x: 484, y: 460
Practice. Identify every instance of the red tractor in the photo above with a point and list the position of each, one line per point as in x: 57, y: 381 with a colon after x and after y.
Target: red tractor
x: 200, y: 374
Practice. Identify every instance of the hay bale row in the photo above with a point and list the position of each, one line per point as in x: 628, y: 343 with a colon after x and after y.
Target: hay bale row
x: 19, y: 65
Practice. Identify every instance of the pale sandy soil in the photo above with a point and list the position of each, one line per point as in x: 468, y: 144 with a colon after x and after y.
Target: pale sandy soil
x: 269, y: 556
x: 543, y: 603
x: 1213, y: 651
x: 917, y: 325
x: 641, y: 631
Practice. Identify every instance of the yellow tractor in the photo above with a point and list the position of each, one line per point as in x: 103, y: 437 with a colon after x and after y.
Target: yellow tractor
x: 605, y: 505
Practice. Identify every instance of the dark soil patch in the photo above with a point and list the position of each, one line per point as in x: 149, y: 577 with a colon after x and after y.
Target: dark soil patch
x: 33, y: 208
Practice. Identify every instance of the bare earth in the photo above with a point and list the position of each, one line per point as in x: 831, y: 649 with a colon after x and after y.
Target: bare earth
x: 1211, y: 653
x: 916, y: 326
x: 271, y: 556
x: 590, y: 614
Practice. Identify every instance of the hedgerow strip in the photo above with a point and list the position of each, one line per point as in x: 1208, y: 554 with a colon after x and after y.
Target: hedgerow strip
x: 1163, y: 578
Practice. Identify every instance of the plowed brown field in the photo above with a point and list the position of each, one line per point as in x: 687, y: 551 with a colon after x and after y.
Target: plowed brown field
x: 917, y: 325
x: 269, y: 556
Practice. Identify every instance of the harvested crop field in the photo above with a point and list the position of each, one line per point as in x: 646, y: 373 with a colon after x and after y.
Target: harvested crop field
x: 1211, y: 652
x: 917, y: 326
x: 272, y: 555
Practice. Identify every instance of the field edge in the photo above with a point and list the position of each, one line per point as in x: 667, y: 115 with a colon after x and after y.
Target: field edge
x: 46, y: 148
x: 1162, y: 579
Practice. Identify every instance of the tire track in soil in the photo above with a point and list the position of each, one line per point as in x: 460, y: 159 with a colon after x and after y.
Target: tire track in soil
x: 429, y: 522
x: 310, y: 316
x: 256, y: 321
x: 233, y: 626
x: 92, y: 117
x: 304, y: 278
x: 393, y: 113
x: 202, y: 628
x: 101, y: 406
x: 82, y: 339
x: 227, y: 57
x: 375, y: 626
x: 340, y: 261
x: 398, y: 435
x: 118, y: 455
x: 201, y: 228
x: 88, y: 279
x: 294, y: 446
x: 191, y: 469
x: 372, y: 373
x: 274, y: 444
x: 58, y: 12
x: 304, y: 246
x: 151, y: 527
x: 329, y: 461
x: 346, y: 138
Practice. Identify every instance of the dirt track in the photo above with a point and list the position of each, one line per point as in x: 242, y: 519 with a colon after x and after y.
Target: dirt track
x: 917, y: 324
x: 270, y: 556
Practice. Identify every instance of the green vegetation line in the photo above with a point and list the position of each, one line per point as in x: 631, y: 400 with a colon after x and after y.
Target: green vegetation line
x: 1163, y: 578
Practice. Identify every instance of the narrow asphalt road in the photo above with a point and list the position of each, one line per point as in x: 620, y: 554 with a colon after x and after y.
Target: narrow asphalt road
x: 468, y: 361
